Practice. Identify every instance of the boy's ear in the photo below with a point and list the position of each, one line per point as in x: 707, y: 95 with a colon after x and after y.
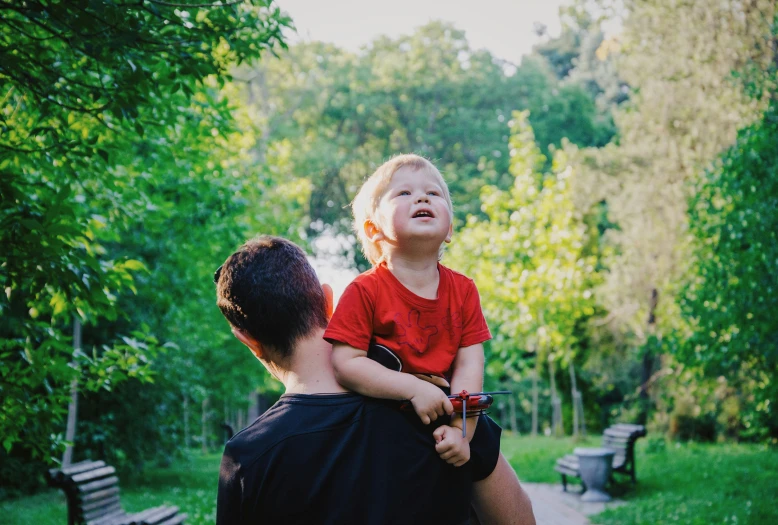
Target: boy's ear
x: 450, y: 232
x: 252, y: 344
x: 328, y: 296
x: 372, y: 231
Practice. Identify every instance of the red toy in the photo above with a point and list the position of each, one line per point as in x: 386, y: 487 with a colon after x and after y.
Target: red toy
x: 467, y: 404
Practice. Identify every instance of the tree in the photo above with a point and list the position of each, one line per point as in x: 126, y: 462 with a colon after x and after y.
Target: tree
x: 529, y: 258
x: 683, y: 62
x: 343, y: 114
x: 87, y: 86
x: 733, y: 294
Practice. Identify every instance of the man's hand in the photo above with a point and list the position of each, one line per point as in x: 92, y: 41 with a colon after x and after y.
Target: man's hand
x: 429, y: 401
x: 451, y: 446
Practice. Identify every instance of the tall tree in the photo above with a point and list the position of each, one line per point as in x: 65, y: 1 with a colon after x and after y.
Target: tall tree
x: 732, y: 297
x: 681, y: 60
x: 83, y: 84
x: 529, y: 258
x: 342, y: 114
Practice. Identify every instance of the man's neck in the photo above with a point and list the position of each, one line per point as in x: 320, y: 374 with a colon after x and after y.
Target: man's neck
x: 419, y: 275
x: 310, y: 368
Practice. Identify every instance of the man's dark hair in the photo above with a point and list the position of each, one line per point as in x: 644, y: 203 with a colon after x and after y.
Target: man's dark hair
x: 270, y: 291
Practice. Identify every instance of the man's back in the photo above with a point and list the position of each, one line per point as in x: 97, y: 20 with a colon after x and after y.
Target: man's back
x: 339, y: 459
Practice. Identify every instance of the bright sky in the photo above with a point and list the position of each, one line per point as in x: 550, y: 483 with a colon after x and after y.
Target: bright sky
x: 504, y: 27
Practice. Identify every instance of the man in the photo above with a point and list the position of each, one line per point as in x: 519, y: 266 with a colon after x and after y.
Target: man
x: 321, y: 455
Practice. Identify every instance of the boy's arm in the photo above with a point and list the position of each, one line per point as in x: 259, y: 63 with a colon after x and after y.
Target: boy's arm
x: 468, y: 375
x: 355, y: 371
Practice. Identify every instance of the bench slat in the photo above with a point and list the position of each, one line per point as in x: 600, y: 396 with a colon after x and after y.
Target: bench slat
x: 117, y: 518
x: 99, y: 494
x: 104, y: 511
x: 106, y: 502
x: 97, y: 485
x: 92, y: 491
x: 630, y: 427
x: 619, y: 433
x: 161, y: 514
x: 82, y: 466
x: 57, y: 476
x: 138, y: 517
x: 93, y: 474
x: 175, y: 520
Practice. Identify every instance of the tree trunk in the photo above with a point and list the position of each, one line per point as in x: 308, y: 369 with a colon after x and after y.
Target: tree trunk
x: 512, y: 407
x: 187, y: 442
x: 70, y: 431
x: 205, y: 426
x: 556, y: 403
x: 579, y: 402
x: 648, y: 358
x: 574, y: 397
x: 535, y: 374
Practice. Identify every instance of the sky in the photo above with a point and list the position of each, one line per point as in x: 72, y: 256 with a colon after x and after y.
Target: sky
x: 504, y: 27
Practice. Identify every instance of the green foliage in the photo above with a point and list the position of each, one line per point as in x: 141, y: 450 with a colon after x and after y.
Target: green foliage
x: 733, y: 293
x: 529, y: 258
x: 94, y: 94
x: 189, y: 484
x: 687, y: 104
x: 679, y: 483
x: 428, y: 92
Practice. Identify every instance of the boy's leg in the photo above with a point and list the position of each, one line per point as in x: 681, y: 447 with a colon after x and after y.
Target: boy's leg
x: 500, y: 500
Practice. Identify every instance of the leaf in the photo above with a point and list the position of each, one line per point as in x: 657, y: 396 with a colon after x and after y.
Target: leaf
x: 135, y: 265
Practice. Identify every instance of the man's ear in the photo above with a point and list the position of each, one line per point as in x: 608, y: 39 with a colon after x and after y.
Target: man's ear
x: 328, y: 296
x: 372, y: 231
x: 252, y: 344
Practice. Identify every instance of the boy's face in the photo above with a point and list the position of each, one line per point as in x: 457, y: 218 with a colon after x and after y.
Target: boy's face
x: 413, y: 209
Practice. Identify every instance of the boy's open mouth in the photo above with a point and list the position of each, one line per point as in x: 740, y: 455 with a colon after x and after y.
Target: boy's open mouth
x: 423, y: 213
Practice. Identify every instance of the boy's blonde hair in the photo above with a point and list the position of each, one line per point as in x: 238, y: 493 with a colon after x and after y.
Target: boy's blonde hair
x: 365, y: 204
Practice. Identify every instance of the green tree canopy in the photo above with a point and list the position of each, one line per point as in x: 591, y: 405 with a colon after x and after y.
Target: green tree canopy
x: 529, y: 257
x: 732, y: 297
x: 88, y: 89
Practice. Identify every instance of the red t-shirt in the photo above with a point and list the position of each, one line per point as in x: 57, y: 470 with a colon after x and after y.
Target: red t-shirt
x: 424, y: 333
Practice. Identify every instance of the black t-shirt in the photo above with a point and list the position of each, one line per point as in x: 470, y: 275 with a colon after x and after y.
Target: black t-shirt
x: 339, y: 459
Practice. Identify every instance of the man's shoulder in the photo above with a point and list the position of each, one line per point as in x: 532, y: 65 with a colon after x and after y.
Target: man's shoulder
x: 296, y: 416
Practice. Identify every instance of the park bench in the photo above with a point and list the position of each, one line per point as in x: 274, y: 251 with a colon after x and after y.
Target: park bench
x: 621, y: 439
x: 92, y: 490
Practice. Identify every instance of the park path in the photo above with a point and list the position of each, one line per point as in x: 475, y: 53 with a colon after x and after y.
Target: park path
x: 554, y: 507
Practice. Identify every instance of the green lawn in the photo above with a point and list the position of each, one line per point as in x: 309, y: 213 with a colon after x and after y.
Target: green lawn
x: 190, y: 485
x: 677, y: 483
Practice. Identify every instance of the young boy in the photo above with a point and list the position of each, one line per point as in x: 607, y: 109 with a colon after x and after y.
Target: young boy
x: 427, y: 318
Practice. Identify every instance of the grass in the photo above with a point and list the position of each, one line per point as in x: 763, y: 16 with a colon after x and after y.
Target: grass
x: 189, y: 484
x: 677, y: 483
x: 688, y: 483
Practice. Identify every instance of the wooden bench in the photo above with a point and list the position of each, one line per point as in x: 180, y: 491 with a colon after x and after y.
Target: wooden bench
x: 621, y: 439
x: 92, y: 490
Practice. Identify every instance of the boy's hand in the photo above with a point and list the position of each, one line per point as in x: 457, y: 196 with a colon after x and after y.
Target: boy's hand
x: 430, y: 402
x: 451, y: 446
